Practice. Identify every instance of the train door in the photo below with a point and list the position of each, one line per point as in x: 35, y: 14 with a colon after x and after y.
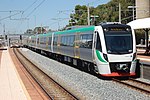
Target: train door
x: 97, y: 48
x: 52, y: 43
x: 94, y: 45
x: 47, y: 40
x: 77, y: 45
x: 39, y: 42
x: 58, y: 44
x: 36, y: 45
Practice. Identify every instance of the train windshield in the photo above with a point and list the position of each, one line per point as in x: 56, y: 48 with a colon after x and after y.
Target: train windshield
x: 119, y: 42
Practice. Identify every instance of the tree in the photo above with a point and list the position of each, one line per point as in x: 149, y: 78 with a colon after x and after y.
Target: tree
x: 29, y: 31
x: 80, y: 15
x: 39, y: 30
x: 107, y: 12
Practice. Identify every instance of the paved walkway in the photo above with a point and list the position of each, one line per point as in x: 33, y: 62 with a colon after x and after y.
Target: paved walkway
x: 11, y: 86
x: 141, y: 55
x: 144, y: 59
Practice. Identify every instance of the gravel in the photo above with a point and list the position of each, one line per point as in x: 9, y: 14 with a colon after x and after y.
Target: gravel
x: 83, y: 85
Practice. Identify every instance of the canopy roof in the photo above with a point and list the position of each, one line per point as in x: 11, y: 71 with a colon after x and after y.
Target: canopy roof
x: 140, y: 23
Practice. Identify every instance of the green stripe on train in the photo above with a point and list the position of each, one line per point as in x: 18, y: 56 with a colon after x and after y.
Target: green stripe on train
x: 85, y: 29
x: 100, y: 57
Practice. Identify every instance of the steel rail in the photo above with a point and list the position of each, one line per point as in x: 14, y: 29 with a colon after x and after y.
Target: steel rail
x: 53, y: 89
x: 126, y: 83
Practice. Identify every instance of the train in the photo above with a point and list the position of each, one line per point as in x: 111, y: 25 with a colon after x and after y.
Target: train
x: 109, y: 49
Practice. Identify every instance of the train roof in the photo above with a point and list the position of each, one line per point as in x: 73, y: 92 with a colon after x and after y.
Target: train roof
x: 82, y: 29
x: 74, y: 30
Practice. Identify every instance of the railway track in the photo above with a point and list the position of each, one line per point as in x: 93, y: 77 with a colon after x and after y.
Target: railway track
x: 52, y: 88
x: 135, y: 84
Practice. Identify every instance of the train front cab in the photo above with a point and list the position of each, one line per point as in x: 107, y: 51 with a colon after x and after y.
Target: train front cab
x: 114, y: 51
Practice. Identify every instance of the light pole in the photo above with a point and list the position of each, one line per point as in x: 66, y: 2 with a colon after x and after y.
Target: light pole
x: 35, y: 20
x: 119, y: 12
x: 88, y: 12
x: 133, y: 7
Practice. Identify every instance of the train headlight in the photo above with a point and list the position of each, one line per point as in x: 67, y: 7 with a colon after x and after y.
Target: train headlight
x: 105, y: 57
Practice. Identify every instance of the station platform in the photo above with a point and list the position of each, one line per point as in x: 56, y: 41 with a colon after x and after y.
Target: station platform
x: 144, y: 58
x: 141, y: 56
x: 11, y: 86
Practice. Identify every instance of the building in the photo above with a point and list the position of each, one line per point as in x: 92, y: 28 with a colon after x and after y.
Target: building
x: 142, y: 9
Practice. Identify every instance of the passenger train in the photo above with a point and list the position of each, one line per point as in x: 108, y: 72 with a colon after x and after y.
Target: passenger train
x: 108, y: 49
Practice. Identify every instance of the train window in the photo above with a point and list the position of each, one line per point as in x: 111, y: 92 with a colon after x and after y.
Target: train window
x: 45, y: 39
x: 86, y: 41
x: 42, y: 41
x: 68, y: 40
x: 119, y: 42
x: 83, y: 37
x: 37, y: 40
x: 50, y: 39
x: 76, y: 40
x: 65, y: 40
x: 55, y: 40
x: 62, y: 41
x: 90, y: 36
x: 98, y: 43
x: 33, y: 40
x: 71, y: 40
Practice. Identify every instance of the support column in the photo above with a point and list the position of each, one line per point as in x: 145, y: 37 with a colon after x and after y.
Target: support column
x: 147, y: 37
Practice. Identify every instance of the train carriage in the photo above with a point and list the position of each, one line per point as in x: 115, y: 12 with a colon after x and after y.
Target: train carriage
x: 108, y: 49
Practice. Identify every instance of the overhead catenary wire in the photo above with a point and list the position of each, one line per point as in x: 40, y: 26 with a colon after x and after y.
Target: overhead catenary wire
x: 64, y: 12
x: 9, y: 16
x: 35, y: 8
x: 10, y: 11
x: 17, y: 11
x: 58, y: 12
x: 21, y: 18
x: 27, y: 9
x: 30, y: 9
x: 58, y: 21
x: 30, y: 5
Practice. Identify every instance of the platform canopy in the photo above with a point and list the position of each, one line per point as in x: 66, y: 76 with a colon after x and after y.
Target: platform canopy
x: 140, y: 23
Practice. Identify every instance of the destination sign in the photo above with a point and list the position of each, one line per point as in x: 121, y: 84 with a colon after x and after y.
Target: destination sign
x: 117, y: 29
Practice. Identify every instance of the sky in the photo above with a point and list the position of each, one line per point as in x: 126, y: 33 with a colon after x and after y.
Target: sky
x: 16, y: 16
